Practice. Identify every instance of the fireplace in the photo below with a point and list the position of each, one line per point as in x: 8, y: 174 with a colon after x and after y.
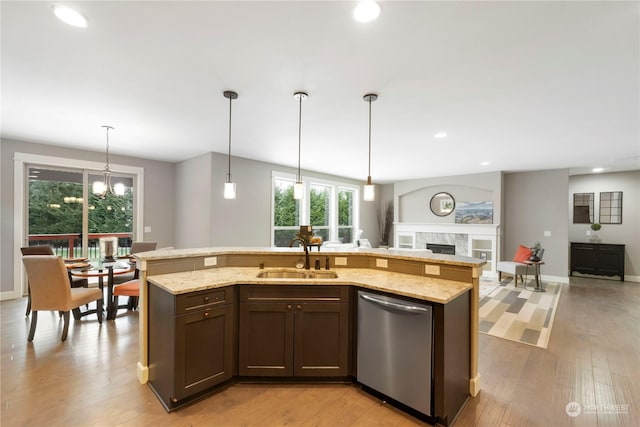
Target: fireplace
x: 442, y: 249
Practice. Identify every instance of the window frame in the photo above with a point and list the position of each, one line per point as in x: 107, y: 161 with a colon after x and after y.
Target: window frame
x: 305, y: 205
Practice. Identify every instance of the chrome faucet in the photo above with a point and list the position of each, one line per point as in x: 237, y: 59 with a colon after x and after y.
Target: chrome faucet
x: 307, y: 263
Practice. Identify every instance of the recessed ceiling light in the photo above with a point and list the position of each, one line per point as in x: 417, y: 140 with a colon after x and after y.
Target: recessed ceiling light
x: 70, y: 16
x: 440, y: 135
x: 597, y: 170
x: 485, y: 163
x: 366, y: 11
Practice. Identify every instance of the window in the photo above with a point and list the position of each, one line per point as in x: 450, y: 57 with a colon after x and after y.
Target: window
x: 346, y: 225
x: 286, y: 212
x: 319, y: 209
x: 327, y: 206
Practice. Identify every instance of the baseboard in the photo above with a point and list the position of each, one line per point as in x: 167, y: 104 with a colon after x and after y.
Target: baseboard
x: 556, y: 279
x: 143, y: 373
x: 7, y: 295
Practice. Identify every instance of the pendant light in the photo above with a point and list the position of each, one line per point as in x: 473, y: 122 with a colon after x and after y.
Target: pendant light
x: 298, y: 188
x: 229, y: 187
x: 369, y: 193
x: 101, y: 188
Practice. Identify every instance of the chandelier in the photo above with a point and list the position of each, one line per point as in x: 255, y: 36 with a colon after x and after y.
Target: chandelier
x: 101, y: 188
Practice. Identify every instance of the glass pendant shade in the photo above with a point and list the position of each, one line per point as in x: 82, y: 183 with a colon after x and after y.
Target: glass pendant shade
x: 229, y: 190
x: 298, y: 191
x: 369, y: 193
x: 118, y: 189
x: 98, y: 187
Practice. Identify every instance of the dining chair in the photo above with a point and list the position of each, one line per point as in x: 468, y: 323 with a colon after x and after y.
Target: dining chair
x: 50, y: 290
x: 131, y: 288
x: 75, y: 282
x: 136, y: 247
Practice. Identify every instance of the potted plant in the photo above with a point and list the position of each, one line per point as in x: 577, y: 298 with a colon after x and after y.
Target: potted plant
x: 595, y: 238
x: 535, y: 252
x: 385, y: 221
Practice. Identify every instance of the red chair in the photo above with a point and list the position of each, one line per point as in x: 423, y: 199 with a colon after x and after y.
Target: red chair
x: 129, y: 289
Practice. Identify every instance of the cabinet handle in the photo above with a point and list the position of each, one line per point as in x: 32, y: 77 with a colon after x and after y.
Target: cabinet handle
x: 289, y: 307
x: 299, y: 307
x: 206, y: 314
x: 206, y: 299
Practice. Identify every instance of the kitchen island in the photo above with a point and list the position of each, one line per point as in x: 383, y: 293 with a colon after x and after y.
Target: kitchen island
x: 181, y: 289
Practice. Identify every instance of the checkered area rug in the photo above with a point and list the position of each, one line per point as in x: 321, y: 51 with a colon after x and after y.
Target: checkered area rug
x: 520, y: 314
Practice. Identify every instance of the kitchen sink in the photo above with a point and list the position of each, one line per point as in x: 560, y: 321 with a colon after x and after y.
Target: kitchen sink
x: 322, y: 275
x: 282, y: 275
x: 296, y: 274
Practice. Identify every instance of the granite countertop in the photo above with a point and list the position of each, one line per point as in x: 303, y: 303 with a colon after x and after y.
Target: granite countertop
x: 424, y: 288
x: 405, y: 254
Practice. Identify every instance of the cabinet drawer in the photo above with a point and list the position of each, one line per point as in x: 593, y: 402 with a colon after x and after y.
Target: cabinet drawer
x: 201, y: 300
x: 293, y: 293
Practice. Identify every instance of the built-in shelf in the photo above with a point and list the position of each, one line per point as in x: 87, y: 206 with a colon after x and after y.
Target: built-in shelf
x: 474, y: 240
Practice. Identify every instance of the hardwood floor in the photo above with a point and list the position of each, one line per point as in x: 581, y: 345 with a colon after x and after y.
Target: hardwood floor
x: 593, y: 359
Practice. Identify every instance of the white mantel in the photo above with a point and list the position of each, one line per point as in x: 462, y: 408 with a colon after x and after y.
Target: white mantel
x: 478, y: 240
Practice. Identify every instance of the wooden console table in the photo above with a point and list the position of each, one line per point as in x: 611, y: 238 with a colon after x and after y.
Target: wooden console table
x: 597, y: 258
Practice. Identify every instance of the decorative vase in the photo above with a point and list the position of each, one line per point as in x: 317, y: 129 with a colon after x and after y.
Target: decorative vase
x: 534, y: 258
x: 595, y: 237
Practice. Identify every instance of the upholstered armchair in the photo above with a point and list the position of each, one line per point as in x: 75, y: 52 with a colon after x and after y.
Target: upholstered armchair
x: 50, y: 290
x: 518, y: 267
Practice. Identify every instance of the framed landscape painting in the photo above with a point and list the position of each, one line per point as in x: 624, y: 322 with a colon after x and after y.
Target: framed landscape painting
x: 474, y: 213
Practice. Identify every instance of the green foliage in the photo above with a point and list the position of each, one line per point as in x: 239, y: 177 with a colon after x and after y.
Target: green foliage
x: 285, y: 207
x: 49, y: 214
x: 345, y: 208
x: 319, y: 206
x: 113, y: 214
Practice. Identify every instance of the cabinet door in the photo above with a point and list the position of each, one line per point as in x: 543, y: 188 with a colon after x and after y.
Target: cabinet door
x: 321, y: 339
x: 610, y: 260
x: 266, y: 339
x: 204, y: 350
x: 583, y: 258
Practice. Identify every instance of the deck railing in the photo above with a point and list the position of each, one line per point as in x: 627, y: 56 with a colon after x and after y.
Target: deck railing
x: 70, y: 245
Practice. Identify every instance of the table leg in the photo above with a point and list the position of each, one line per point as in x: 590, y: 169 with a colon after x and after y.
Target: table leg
x: 110, y: 310
x: 538, y: 287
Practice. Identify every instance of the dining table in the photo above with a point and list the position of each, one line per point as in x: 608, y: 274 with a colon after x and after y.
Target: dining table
x: 100, y: 269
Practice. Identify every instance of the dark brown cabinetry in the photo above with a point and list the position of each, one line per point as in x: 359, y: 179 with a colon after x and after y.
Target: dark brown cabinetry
x: 292, y: 331
x: 191, y: 343
x: 598, y: 258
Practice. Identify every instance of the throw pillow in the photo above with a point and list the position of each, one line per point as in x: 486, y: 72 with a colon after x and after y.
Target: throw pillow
x: 522, y: 254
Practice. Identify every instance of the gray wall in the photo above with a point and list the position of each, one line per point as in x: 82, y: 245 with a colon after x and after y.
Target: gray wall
x: 413, y: 196
x: 159, y: 195
x: 245, y: 221
x: 627, y: 233
x: 535, y: 202
x: 193, y: 202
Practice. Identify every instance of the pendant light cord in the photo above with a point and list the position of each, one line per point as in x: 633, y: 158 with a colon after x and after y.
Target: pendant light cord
x: 369, y: 174
x: 107, y: 168
x: 229, y: 166
x: 299, y: 136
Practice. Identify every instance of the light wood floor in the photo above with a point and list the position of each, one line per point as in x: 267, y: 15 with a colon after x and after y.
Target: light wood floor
x: 593, y: 358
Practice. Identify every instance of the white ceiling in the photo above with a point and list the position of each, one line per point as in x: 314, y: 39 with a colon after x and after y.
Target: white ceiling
x: 523, y: 85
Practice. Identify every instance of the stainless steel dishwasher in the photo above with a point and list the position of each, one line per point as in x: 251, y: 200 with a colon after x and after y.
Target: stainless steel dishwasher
x: 394, y: 349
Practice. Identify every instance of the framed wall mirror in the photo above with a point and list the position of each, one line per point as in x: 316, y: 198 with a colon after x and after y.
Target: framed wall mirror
x: 583, y: 208
x: 442, y: 204
x: 611, y: 207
